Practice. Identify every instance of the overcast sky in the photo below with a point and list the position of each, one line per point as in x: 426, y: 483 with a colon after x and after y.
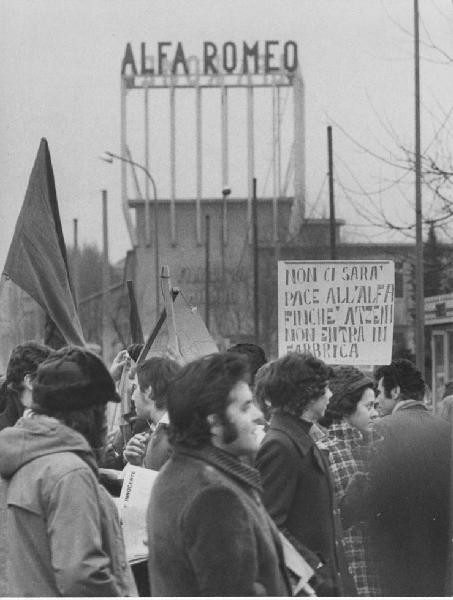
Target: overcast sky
x: 60, y: 76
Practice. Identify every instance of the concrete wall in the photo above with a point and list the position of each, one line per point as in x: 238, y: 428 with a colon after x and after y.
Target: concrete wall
x: 230, y: 288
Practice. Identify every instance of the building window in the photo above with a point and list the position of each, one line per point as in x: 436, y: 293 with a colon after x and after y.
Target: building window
x: 399, y: 340
x: 399, y: 280
x: 441, y: 310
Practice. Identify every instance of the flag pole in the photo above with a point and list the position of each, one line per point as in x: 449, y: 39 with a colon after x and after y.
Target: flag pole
x: 168, y: 302
x: 105, y: 281
x: 419, y: 287
x: 333, y: 242
x: 256, y: 306
x: 154, y: 333
x: 76, y: 261
x: 207, y: 272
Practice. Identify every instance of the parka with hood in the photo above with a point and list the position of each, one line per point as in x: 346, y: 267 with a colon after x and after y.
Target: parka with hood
x: 64, y: 535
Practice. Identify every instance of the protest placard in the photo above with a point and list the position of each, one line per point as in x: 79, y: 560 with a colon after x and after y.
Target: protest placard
x: 340, y: 311
x: 132, y: 507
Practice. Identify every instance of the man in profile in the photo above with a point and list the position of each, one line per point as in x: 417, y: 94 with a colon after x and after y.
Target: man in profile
x: 151, y: 449
x: 409, y: 495
x: 298, y: 488
x: 208, y: 532
x: 20, y: 374
x: 254, y: 355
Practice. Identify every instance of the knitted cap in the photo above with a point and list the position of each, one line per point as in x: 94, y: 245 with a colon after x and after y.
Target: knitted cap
x: 73, y: 379
x: 347, y: 380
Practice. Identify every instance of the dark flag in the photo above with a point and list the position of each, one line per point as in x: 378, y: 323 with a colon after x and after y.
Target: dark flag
x: 37, y: 261
x: 52, y: 335
x: 134, y: 317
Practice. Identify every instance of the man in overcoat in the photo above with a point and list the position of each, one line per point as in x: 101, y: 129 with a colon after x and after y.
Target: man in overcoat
x: 409, y: 498
x: 208, y: 531
x: 298, y: 489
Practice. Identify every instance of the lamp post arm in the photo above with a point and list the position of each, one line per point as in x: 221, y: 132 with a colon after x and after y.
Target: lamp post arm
x: 139, y: 166
x: 112, y: 155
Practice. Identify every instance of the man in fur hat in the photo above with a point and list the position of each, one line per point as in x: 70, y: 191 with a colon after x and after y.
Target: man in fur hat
x: 64, y: 534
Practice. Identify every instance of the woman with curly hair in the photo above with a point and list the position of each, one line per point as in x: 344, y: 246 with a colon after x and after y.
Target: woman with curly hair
x: 348, y: 419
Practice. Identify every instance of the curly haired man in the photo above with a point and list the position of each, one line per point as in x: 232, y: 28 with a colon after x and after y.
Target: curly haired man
x: 298, y: 488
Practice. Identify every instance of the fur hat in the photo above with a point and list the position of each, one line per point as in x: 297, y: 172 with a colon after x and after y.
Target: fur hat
x: 73, y: 379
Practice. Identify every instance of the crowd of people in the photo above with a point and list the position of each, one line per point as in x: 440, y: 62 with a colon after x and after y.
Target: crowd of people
x: 351, y: 469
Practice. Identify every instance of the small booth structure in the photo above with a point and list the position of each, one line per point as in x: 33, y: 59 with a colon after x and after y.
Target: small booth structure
x: 439, y: 317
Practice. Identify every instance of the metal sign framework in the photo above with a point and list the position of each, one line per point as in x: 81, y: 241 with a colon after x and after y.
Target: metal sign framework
x: 224, y: 81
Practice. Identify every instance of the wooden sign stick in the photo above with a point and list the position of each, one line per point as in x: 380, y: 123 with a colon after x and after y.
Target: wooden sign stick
x: 173, y: 345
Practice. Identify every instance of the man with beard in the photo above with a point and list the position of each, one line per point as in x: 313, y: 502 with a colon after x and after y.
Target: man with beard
x: 208, y: 532
x: 64, y: 535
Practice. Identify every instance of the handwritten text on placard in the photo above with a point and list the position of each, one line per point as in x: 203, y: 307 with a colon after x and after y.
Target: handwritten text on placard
x: 341, y: 312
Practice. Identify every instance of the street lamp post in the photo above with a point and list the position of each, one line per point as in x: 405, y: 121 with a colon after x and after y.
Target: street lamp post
x: 111, y: 156
x: 419, y: 281
x: 226, y: 191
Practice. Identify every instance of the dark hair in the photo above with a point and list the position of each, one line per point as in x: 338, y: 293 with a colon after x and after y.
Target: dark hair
x: 255, y: 356
x: 402, y: 373
x: 296, y: 380
x: 200, y: 389
x: 5, y: 394
x: 24, y: 360
x: 134, y: 351
x: 260, y: 389
x: 89, y: 422
x: 347, y: 385
x: 157, y: 372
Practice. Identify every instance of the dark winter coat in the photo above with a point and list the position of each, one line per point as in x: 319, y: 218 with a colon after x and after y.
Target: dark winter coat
x: 158, y: 451
x: 208, y: 532
x: 12, y: 408
x: 299, y: 494
x: 409, y: 501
